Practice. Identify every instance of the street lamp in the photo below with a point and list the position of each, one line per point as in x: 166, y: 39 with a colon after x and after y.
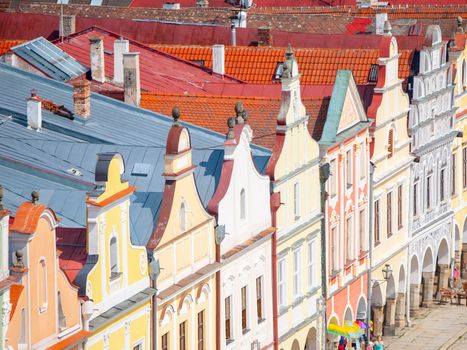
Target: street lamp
x: 387, y: 272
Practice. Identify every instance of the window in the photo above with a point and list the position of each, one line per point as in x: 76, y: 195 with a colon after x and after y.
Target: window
x: 296, y: 273
x: 333, y: 177
x: 242, y: 204
x: 278, y: 71
x: 42, y: 286
x: 183, y: 217
x: 296, y: 200
x: 362, y: 161
x: 415, y: 197
x: 165, y: 341
x: 428, y: 192
x: 22, y: 334
x: 182, y: 335
x: 281, y: 282
x: 228, y: 318
x: 391, y: 143
x: 441, y: 185
x: 399, y: 207
x: 311, y: 264
x: 464, y: 167
x: 389, y: 213
x: 334, y: 250
x: 453, y: 175
x: 377, y: 221
x: 259, y: 298
x: 244, y: 310
x: 201, y: 330
x: 138, y: 347
x: 114, y: 271
x: 361, y: 237
x: 349, y: 245
x: 348, y: 163
x: 61, y: 314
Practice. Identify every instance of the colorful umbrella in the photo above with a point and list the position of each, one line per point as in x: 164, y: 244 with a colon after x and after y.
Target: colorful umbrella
x: 361, y: 324
x: 338, y: 330
x: 353, y: 330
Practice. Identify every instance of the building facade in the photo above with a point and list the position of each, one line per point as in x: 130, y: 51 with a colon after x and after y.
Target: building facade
x: 296, y: 210
x: 5, y: 283
x: 431, y: 125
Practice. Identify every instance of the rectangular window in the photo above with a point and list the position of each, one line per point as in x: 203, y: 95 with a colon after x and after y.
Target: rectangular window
x: 389, y: 214
x: 362, y: 235
x: 348, y: 163
x: 244, y: 310
x: 201, y: 330
x: 228, y: 318
x: 415, y: 197
x: 296, y: 273
x: 334, y: 255
x: 311, y: 265
x: 453, y: 175
x: 441, y: 185
x: 428, y: 192
x: 377, y: 222
x: 333, y: 177
x: 281, y: 282
x: 296, y: 200
x: 182, y: 335
x: 165, y: 341
x: 349, y: 245
x: 362, y: 161
x: 464, y: 167
x: 259, y: 298
x: 138, y: 347
x: 399, y: 207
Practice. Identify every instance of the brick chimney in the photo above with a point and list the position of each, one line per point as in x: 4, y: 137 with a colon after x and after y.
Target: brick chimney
x: 34, y: 112
x: 97, y: 59
x: 120, y: 47
x: 264, y: 36
x: 82, y: 98
x: 218, y: 59
x: 131, y: 79
x: 67, y: 25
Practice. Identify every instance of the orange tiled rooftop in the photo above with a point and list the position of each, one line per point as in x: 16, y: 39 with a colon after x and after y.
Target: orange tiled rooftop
x: 5, y: 45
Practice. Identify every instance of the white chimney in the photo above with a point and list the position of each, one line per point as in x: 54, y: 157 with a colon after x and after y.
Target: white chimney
x: 218, y: 59
x: 131, y: 83
x: 97, y: 59
x: 120, y: 47
x: 242, y: 19
x: 380, y: 19
x: 34, y: 112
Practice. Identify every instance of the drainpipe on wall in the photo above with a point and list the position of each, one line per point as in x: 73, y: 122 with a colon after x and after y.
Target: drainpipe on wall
x: 218, y: 299
x: 370, y: 250
x: 154, y: 270
x: 275, y: 204
x: 407, y: 273
x: 324, y: 173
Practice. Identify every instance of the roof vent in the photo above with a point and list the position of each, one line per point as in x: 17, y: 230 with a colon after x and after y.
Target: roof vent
x: 74, y: 172
x: 141, y: 169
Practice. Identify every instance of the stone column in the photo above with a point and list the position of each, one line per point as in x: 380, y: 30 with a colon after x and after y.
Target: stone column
x: 428, y: 278
x: 400, y: 311
x: 414, y: 298
x: 444, y: 273
x: 390, y: 317
x: 378, y: 314
x: 464, y: 261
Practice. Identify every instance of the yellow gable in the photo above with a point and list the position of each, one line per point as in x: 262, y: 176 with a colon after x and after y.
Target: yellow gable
x: 114, y: 183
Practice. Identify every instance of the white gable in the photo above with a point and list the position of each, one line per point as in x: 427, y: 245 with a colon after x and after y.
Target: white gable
x: 349, y: 116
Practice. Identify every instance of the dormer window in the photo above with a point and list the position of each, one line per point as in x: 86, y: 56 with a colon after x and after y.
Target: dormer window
x: 114, y: 269
x: 242, y: 204
x: 183, y: 217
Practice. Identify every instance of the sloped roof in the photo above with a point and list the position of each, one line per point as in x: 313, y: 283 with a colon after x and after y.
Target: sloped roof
x: 317, y: 66
x: 212, y: 112
x: 15, y: 294
x: 158, y: 70
x: 5, y: 45
x: 49, y: 59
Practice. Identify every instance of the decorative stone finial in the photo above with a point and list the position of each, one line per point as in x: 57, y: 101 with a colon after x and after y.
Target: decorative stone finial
x: 19, y: 258
x: 176, y: 114
x: 34, y: 197
x: 387, y: 28
x: 460, y: 28
x: 245, y: 115
x: 238, y: 113
x: 1, y: 197
x: 230, y: 123
x: 287, y: 66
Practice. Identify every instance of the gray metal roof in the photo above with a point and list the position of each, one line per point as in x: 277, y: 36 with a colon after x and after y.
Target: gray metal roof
x: 49, y: 59
x: 43, y: 161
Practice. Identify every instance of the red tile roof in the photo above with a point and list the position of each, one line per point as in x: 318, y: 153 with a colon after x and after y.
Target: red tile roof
x: 27, y: 217
x: 317, y: 66
x: 71, y: 244
x: 6, y: 44
x: 212, y: 112
x: 159, y: 71
x: 15, y: 293
x: 183, y: 3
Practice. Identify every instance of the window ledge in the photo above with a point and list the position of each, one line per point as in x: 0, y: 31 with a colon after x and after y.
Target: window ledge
x: 377, y: 243
x: 261, y: 320
x: 297, y: 301
x: 43, y: 308
x: 245, y: 331
x: 362, y: 254
x: 389, y: 235
x: 334, y: 273
x: 114, y: 276
x: 348, y: 263
x: 229, y: 341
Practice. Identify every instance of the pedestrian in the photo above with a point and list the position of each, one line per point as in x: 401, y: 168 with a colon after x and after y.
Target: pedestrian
x: 379, y: 345
x: 369, y: 346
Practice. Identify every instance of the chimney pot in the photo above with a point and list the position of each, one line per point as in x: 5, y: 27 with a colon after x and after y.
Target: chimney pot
x: 97, y: 59
x: 218, y: 59
x: 264, y: 36
x: 120, y: 47
x: 381, y: 18
x: 131, y: 76
x: 34, y: 111
x: 82, y: 98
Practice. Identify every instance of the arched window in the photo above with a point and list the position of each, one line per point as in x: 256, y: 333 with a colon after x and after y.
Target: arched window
x: 61, y: 314
x: 464, y: 74
x: 242, y: 204
x: 183, y: 217
x: 114, y: 270
x: 391, y: 143
x: 42, y: 285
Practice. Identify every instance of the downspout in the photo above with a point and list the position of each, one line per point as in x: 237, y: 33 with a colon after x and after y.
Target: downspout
x: 275, y: 204
x: 370, y: 250
x: 218, y: 299
x: 409, y: 237
x: 324, y: 173
x: 154, y: 315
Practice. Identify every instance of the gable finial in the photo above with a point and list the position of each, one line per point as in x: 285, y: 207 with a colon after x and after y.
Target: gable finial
x: 34, y: 197
x: 239, y: 112
x: 1, y: 197
x: 460, y: 28
x: 289, y: 58
x: 231, y: 124
x: 387, y: 28
x: 19, y: 258
x: 175, y: 114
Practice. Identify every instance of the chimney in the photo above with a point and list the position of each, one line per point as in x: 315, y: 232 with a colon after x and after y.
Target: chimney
x: 131, y: 84
x: 264, y: 36
x: 380, y: 19
x: 97, y: 59
x: 233, y: 32
x: 218, y: 59
x: 242, y: 19
x: 387, y: 28
x: 202, y: 3
x: 120, y: 47
x: 82, y: 98
x: 67, y: 25
x: 34, y: 112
